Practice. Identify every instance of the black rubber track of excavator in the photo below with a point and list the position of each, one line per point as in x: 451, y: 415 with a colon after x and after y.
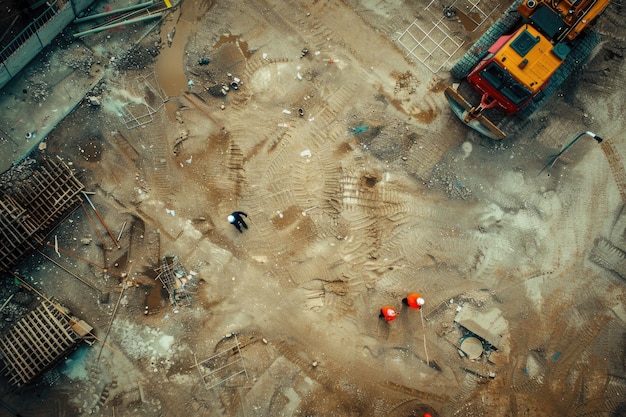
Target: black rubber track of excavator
x: 504, y: 24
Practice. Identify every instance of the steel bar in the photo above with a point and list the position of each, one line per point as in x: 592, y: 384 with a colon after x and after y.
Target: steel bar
x: 119, y: 236
x: 113, y: 26
x: 68, y: 271
x: 111, y: 12
x: 6, y: 302
x: 424, y: 334
x: 102, y: 221
x: 111, y: 322
x: 94, y: 225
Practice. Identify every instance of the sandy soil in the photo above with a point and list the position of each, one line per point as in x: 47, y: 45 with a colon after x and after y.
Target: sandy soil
x: 375, y: 191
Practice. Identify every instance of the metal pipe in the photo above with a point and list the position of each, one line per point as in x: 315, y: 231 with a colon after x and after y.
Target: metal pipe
x: 102, y: 221
x: 6, y: 302
x: 111, y: 323
x: 104, y: 246
x: 110, y: 12
x: 69, y: 272
x: 113, y: 26
x: 553, y: 158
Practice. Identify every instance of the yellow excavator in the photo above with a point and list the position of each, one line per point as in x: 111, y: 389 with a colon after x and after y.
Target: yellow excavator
x: 523, y: 58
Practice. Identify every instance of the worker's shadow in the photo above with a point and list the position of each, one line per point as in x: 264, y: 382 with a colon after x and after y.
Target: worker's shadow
x: 383, y: 329
x: 410, y: 321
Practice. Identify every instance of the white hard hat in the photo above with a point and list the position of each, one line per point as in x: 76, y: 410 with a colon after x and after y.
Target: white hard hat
x: 420, y: 301
x: 231, y: 218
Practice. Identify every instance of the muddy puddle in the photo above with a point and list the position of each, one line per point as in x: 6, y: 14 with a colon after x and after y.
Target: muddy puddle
x: 170, y: 65
x: 470, y: 21
x: 234, y: 39
x: 156, y: 299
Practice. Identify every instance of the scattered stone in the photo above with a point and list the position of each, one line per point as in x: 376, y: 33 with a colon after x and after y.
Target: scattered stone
x: 94, y: 101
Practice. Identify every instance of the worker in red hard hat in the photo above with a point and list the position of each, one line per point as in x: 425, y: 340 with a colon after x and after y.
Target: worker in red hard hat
x: 414, y: 300
x: 388, y: 313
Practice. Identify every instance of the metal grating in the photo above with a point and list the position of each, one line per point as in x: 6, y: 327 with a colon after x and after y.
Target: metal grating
x: 223, y: 366
x: 139, y: 113
x: 38, y: 341
x: 432, y: 46
x: 431, y: 43
x: 472, y: 10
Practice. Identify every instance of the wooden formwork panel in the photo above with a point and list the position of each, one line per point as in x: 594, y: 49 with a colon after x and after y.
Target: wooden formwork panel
x: 37, y: 342
x: 50, y: 191
x: 16, y: 231
x: 33, y: 207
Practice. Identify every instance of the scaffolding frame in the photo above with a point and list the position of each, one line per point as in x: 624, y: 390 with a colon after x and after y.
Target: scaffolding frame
x: 214, y: 375
x: 140, y: 114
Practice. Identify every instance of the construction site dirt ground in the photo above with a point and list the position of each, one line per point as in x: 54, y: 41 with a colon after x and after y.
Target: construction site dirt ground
x: 375, y: 190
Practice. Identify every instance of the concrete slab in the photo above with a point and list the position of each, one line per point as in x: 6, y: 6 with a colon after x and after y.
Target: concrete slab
x: 487, y: 324
x: 46, y: 91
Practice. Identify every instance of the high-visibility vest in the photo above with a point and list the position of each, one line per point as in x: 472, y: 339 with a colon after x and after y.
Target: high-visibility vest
x: 415, y: 300
x: 390, y: 313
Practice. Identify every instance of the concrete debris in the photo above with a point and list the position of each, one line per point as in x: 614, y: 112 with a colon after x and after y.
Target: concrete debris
x: 176, y: 281
x: 94, y: 101
x: 170, y: 37
x: 489, y: 325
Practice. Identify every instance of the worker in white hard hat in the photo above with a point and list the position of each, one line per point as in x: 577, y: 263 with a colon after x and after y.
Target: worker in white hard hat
x: 388, y: 313
x: 236, y: 220
x: 414, y: 300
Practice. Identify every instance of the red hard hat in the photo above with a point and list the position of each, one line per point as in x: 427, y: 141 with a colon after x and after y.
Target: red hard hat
x: 427, y: 415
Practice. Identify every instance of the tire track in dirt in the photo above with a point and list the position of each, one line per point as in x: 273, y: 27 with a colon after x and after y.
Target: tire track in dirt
x: 347, y: 398
x: 616, y: 164
x: 335, y: 104
x: 274, y: 19
x: 564, y: 357
x: 425, y: 154
x: 156, y: 154
x: 608, y: 256
x: 234, y: 165
x: 383, y: 24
